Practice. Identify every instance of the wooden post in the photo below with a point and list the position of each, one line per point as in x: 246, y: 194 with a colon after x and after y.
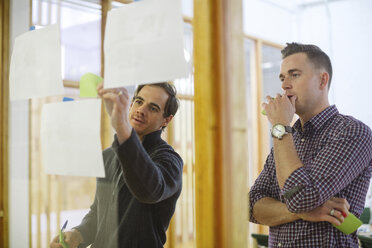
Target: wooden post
x: 106, y: 134
x: 4, y: 108
x: 220, y: 124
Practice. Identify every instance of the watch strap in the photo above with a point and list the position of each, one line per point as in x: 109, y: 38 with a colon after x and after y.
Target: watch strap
x: 288, y: 129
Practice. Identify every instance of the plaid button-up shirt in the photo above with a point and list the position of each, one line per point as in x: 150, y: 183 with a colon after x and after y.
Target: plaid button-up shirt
x: 336, y: 151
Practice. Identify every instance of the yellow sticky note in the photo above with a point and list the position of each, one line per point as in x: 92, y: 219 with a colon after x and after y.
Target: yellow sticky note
x: 88, y: 85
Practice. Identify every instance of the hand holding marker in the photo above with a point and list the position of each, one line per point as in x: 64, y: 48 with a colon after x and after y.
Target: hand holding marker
x: 62, y: 236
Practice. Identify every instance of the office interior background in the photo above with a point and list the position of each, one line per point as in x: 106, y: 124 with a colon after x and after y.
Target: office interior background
x: 234, y: 48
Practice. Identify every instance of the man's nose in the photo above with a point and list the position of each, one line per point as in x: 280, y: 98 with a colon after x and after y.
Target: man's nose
x: 141, y: 109
x: 286, y: 84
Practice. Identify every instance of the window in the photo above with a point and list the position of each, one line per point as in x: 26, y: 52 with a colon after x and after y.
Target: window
x: 53, y: 198
x: 262, y: 63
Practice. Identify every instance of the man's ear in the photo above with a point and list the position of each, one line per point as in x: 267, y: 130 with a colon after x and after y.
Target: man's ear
x: 167, y: 120
x: 324, y: 79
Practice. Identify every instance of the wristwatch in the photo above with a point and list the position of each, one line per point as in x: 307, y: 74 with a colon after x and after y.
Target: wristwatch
x: 279, y: 130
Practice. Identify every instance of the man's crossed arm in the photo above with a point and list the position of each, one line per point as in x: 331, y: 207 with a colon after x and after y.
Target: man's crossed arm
x: 271, y: 212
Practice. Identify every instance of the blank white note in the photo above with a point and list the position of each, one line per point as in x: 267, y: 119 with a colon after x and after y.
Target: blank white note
x: 35, y: 68
x: 70, y: 138
x: 144, y: 43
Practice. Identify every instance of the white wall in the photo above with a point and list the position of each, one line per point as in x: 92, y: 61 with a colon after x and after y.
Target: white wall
x: 18, y: 144
x: 344, y: 31
x: 267, y: 21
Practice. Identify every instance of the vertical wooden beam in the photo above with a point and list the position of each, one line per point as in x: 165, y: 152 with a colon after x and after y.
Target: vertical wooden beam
x: 234, y: 119
x: 220, y: 124
x: 106, y: 135
x: 4, y: 108
x: 208, y: 162
x: 258, y: 98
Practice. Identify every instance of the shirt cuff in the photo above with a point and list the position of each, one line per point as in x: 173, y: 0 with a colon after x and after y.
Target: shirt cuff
x: 252, y: 201
x: 294, y: 184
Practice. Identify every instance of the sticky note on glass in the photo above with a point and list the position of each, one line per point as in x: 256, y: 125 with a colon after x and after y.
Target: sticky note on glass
x: 88, y: 84
x: 144, y: 43
x: 35, y: 68
x: 351, y: 224
x: 70, y: 138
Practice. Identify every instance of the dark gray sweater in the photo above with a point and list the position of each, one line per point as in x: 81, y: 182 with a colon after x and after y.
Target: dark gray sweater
x: 134, y: 203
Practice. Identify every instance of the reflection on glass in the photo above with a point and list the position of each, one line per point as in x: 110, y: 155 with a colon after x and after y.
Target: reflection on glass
x: 271, y: 60
x: 184, y: 144
x: 53, y: 199
x: 187, y: 8
x: 80, y: 23
x: 185, y: 86
x: 249, y: 67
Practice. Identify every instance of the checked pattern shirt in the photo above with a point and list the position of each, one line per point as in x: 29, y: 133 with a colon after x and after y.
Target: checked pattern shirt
x: 336, y: 151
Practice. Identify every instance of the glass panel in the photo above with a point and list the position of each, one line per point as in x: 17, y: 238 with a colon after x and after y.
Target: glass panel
x: 271, y: 60
x: 116, y: 4
x: 187, y: 8
x: 271, y: 85
x: 185, y: 86
x: 251, y: 85
x: 183, y: 124
x: 184, y: 145
x: 249, y: 49
x: 53, y: 199
x: 80, y: 23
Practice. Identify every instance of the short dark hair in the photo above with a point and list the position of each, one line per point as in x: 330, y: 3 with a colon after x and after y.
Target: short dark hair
x: 171, y: 106
x: 319, y: 58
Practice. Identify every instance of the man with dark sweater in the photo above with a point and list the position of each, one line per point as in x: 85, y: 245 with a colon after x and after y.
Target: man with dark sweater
x: 134, y: 203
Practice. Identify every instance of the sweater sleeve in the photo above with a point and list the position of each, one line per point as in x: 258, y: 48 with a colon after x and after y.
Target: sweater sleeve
x: 88, y: 226
x: 150, y: 179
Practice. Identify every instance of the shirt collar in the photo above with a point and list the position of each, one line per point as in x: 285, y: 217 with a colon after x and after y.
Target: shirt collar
x: 318, y: 120
x: 151, y: 138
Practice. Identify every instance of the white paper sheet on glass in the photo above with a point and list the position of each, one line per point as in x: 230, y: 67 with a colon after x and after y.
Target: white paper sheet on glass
x: 144, y: 43
x: 70, y: 138
x: 35, y: 68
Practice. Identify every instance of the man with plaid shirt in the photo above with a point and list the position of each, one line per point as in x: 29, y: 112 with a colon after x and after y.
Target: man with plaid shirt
x: 318, y: 170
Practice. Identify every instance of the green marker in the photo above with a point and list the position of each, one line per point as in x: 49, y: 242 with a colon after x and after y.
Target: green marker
x: 62, y: 236
x: 263, y: 112
x: 351, y: 224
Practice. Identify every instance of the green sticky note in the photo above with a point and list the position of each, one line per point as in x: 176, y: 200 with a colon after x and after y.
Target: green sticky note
x: 88, y: 85
x: 350, y: 224
x: 62, y: 239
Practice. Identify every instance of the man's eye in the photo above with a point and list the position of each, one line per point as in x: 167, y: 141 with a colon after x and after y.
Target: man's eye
x: 138, y: 101
x: 295, y: 75
x: 153, y: 109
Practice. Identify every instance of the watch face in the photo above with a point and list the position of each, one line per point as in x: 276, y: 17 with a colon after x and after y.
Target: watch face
x: 278, y: 130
